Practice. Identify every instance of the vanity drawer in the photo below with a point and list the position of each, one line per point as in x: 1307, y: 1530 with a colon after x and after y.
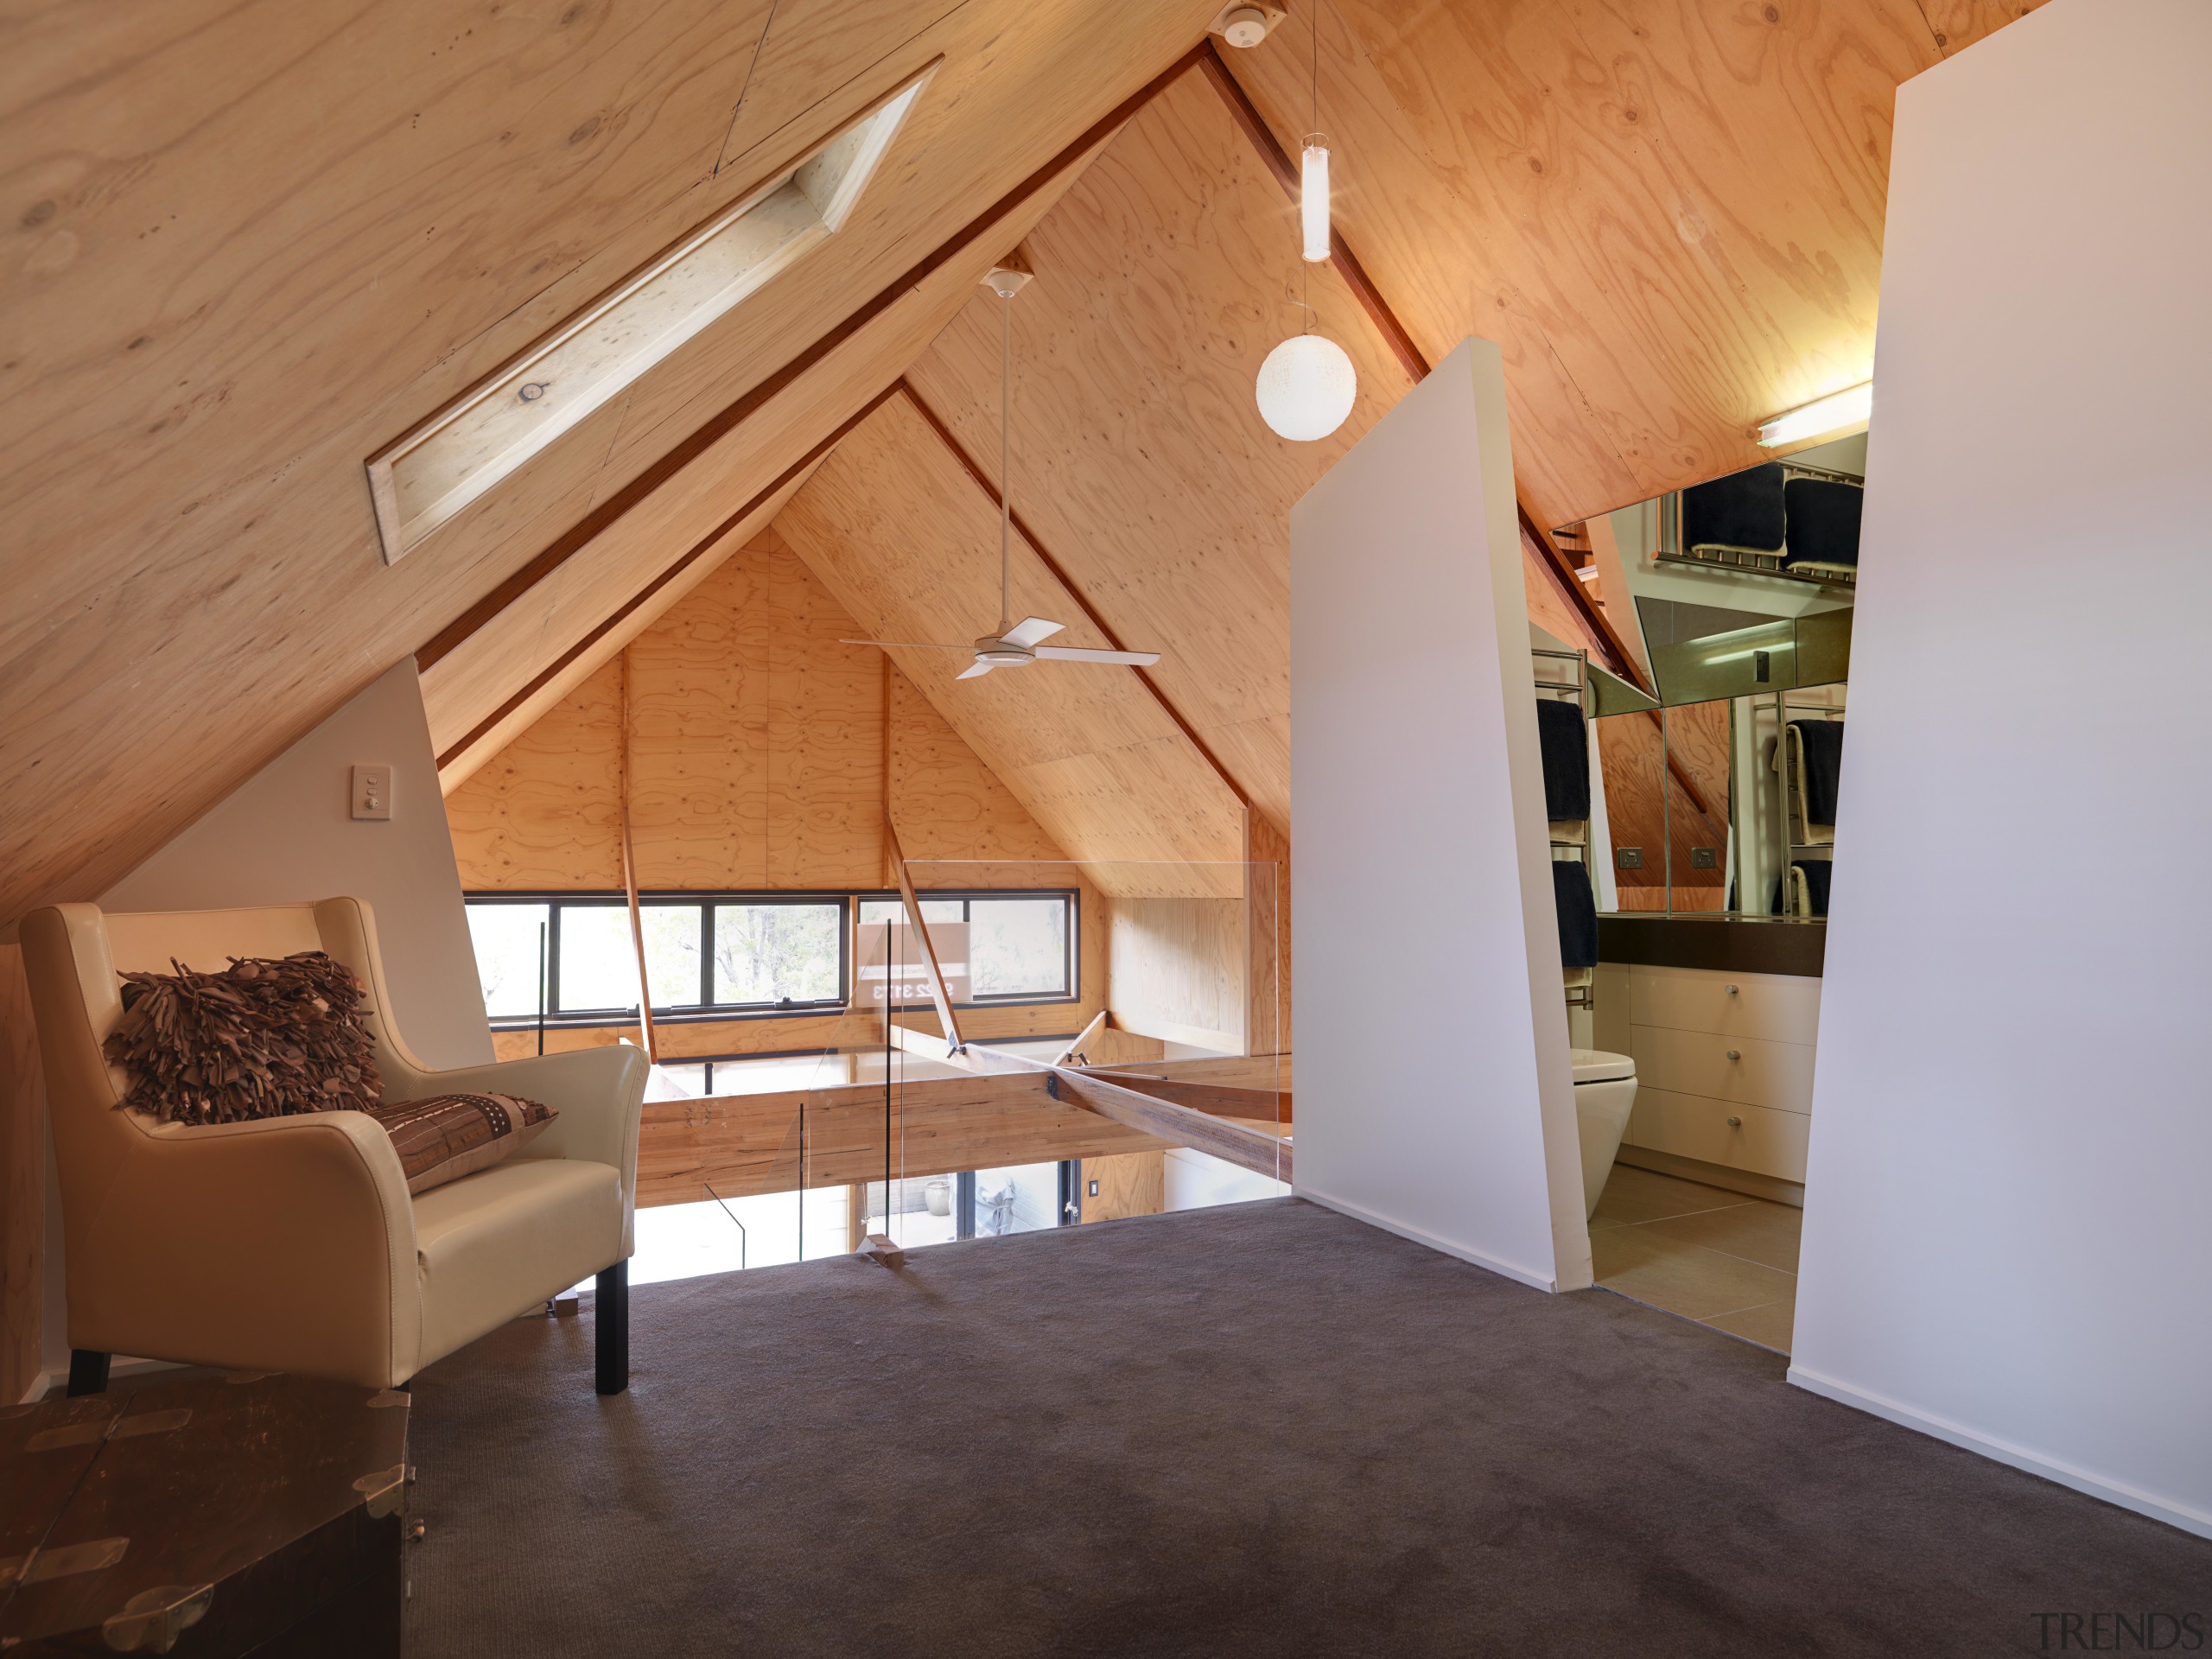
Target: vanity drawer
x: 1761, y: 1139
x: 1776, y: 1007
x: 1779, y: 1075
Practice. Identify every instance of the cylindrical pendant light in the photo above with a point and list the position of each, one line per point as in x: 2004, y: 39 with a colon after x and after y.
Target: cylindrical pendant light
x: 1313, y: 199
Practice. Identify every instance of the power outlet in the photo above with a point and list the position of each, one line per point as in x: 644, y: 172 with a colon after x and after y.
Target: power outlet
x: 372, y: 792
x: 1629, y: 858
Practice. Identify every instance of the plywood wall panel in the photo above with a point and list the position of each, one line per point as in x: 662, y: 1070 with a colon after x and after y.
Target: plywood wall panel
x: 907, y: 543
x: 758, y: 760
x: 1179, y: 970
x: 945, y: 803
x: 542, y: 814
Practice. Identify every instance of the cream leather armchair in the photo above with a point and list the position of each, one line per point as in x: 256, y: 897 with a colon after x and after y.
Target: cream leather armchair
x: 292, y: 1244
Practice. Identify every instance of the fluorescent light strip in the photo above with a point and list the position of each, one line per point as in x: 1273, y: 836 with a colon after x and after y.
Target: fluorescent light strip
x: 1838, y: 410
x: 425, y: 478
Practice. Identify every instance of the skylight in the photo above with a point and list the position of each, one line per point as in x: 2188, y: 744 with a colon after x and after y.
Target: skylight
x: 424, y: 478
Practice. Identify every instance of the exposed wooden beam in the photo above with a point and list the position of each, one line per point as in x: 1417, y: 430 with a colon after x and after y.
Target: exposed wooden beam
x: 630, y: 871
x: 1215, y: 1099
x: 935, y: 975
x: 1247, y: 1148
x: 1254, y: 127
x: 1114, y: 640
x: 644, y: 596
x: 746, y: 1145
x: 736, y: 413
x: 1098, y: 1024
x: 1577, y: 594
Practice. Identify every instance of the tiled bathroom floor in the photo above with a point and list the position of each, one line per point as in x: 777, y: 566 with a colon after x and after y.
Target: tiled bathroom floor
x: 1719, y: 1258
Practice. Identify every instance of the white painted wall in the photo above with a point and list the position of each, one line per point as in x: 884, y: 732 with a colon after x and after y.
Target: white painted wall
x: 288, y: 834
x: 2007, y: 1237
x: 1435, y: 1096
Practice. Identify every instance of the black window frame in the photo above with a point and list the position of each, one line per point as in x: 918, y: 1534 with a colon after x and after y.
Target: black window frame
x: 1072, y: 968
x: 675, y: 1013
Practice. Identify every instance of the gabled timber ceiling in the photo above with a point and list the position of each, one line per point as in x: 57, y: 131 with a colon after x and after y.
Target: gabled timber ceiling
x: 245, y: 245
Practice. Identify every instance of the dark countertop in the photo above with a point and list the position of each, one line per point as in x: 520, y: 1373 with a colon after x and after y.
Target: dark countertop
x: 1745, y: 944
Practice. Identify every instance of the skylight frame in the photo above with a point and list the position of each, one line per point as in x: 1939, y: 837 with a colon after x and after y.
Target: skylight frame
x: 422, y: 480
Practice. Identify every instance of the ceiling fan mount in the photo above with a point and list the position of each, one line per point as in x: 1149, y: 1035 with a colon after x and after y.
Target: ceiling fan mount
x: 1016, y: 644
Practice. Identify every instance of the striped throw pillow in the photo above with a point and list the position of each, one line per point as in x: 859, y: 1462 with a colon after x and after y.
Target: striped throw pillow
x: 447, y: 1136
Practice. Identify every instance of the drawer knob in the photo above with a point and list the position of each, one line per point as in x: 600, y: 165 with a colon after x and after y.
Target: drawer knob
x: 1733, y: 1055
x: 1735, y: 1123
x: 1730, y: 990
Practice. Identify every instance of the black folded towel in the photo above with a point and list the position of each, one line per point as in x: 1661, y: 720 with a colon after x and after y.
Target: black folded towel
x: 1742, y: 510
x: 1823, y: 765
x: 1823, y: 518
x: 1565, y: 739
x: 1578, y: 914
x: 1817, y: 872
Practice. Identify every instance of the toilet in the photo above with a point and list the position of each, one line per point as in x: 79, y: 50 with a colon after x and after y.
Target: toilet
x: 1605, y: 1090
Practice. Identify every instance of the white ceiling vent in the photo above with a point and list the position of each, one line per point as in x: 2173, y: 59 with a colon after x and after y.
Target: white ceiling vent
x: 424, y: 478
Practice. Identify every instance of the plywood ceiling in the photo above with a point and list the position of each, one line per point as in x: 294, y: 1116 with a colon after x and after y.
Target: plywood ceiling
x: 1140, y: 458
x: 1668, y: 213
x: 247, y: 244
x: 899, y: 534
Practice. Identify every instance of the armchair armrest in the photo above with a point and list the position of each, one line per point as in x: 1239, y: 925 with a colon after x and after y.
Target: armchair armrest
x: 599, y: 1093
x: 285, y: 1244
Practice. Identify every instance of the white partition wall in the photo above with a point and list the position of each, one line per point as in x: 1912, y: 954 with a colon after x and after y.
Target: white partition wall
x: 288, y: 834
x: 2007, y: 1238
x: 1435, y: 1095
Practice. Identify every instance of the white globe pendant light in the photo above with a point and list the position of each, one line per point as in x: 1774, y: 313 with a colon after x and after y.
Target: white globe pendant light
x: 1306, y: 387
x: 1307, y: 384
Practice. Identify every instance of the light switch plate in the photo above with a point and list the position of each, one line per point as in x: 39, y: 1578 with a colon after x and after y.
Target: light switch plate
x: 372, y: 792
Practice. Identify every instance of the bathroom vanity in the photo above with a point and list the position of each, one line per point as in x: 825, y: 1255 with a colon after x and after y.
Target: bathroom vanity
x: 1721, y: 1016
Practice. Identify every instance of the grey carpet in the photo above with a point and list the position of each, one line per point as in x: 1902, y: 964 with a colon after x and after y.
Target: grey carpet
x: 1263, y: 1430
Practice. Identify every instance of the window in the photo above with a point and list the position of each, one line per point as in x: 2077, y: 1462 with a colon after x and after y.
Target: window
x: 424, y: 478
x: 715, y: 956
x: 992, y: 947
x: 704, y: 956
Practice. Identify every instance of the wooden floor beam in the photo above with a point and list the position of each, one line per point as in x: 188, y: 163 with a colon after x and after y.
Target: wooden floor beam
x: 1247, y: 1149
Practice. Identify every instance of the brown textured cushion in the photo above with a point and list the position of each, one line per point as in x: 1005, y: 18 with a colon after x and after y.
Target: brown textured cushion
x: 447, y: 1136
x: 263, y: 1038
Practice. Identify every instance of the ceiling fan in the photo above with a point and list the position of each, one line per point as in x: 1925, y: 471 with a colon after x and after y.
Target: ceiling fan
x: 1014, y: 644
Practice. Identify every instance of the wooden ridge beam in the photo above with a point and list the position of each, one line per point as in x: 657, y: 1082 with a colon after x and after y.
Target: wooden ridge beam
x: 1247, y: 1149
x: 735, y: 414
x: 1061, y: 575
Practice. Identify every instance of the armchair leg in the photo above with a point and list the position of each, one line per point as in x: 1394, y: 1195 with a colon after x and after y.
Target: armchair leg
x: 611, y: 1330
x: 87, y: 1371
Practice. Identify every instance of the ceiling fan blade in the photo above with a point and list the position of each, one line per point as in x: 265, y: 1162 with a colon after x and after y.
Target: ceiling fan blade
x: 1029, y: 631
x: 906, y: 645
x: 1073, y: 654
x: 978, y: 671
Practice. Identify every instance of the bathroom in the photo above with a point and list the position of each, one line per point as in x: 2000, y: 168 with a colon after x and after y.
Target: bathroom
x: 1693, y: 835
